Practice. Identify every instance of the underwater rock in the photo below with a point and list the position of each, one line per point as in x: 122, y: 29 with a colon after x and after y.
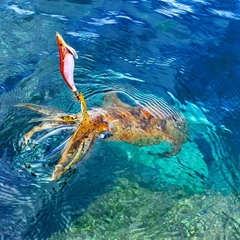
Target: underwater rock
x: 187, y: 170
x: 131, y: 211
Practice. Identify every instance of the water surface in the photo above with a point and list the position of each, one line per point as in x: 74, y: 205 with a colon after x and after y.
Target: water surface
x: 184, y: 51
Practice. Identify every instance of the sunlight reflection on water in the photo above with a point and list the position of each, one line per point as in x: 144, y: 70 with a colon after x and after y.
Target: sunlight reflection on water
x: 185, y: 52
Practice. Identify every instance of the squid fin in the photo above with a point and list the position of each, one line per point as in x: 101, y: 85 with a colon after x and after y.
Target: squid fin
x: 112, y: 100
x: 176, y: 148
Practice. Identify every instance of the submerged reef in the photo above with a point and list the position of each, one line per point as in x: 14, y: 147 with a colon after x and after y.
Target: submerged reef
x: 131, y: 211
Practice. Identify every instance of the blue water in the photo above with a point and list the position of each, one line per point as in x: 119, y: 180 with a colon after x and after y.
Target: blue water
x: 184, y: 51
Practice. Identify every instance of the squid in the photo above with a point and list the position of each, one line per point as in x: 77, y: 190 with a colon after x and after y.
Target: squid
x: 145, y: 124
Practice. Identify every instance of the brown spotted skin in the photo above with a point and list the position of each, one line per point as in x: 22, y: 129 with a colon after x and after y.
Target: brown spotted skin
x: 119, y: 121
x: 137, y: 126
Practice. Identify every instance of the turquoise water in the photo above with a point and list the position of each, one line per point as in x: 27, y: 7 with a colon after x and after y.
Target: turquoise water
x: 184, y: 51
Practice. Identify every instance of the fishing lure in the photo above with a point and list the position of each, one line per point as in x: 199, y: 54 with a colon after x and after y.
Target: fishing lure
x: 145, y: 124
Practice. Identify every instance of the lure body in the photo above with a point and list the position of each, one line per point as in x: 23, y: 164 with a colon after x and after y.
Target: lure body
x: 66, y: 54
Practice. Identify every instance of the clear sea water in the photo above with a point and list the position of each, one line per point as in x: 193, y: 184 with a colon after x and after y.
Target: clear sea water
x: 184, y: 51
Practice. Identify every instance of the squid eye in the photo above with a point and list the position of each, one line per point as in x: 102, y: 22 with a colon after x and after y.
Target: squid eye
x: 60, y: 44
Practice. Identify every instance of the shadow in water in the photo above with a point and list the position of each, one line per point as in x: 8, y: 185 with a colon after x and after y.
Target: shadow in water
x: 69, y: 198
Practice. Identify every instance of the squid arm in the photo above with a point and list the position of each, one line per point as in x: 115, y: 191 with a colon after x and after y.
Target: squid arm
x: 80, y: 144
x: 54, y: 119
x: 76, y: 151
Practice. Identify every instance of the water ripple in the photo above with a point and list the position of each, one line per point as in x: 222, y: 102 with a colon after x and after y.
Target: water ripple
x: 19, y: 10
x: 225, y: 14
x: 102, y: 21
x: 188, y: 49
x: 174, y: 9
x: 60, y: 17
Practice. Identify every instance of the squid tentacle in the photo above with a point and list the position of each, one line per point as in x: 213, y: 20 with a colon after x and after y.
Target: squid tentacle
x: 57, y: 149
